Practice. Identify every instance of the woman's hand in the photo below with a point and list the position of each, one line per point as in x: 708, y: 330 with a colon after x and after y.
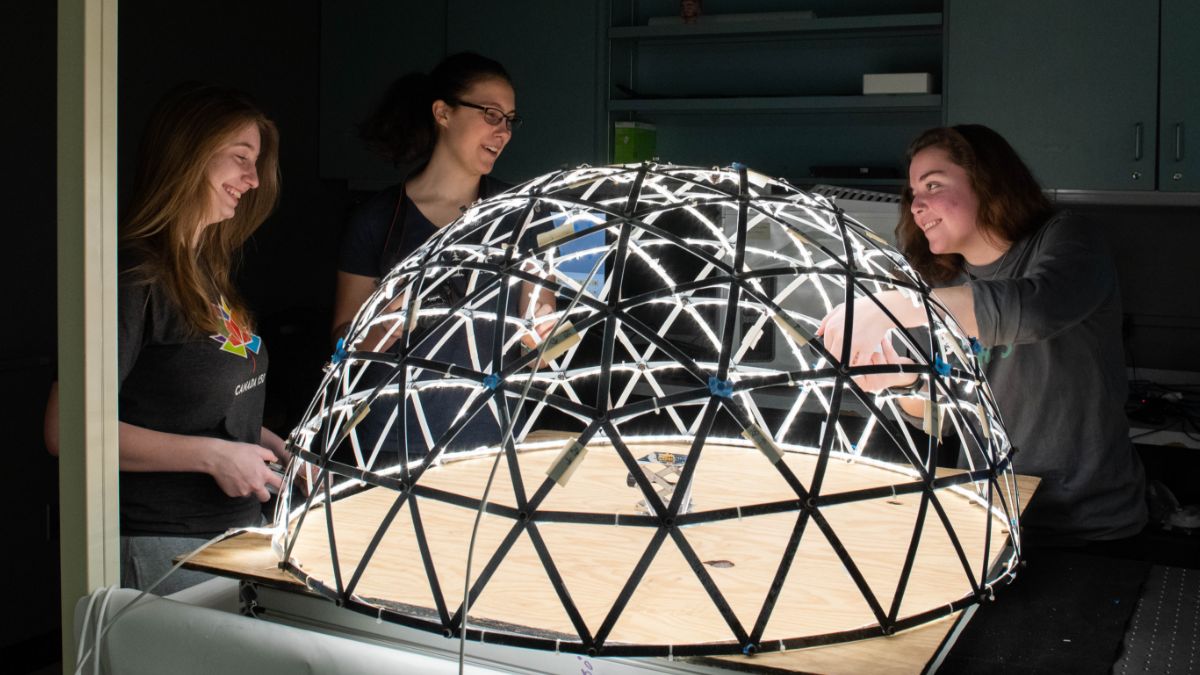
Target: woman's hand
x: 352, y: 291
x: 384, y: 333
x: 868, y: 332
x: 240, y: 469
x: 880, y: 381
x: 272, y: 441
x: 542, y: 325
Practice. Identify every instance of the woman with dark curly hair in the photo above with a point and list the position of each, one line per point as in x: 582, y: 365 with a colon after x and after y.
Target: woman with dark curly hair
x: 451, y: 124
x: 1039, y: 291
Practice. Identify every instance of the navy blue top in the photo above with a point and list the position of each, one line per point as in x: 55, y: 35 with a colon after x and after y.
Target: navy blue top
x: 388, y: 227
x: 385, y: 230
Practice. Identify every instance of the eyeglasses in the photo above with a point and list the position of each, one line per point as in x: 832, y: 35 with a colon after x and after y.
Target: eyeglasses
x: 494, y: 116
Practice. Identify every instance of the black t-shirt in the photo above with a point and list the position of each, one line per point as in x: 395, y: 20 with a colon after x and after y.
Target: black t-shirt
x: 384, y: 231
x: 175, y: 381
x: 388, y: 227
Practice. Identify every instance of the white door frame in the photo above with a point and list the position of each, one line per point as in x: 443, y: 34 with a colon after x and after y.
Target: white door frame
x: 87, y: 300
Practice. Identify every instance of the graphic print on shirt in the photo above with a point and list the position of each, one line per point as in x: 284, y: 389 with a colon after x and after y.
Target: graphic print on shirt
x: 233, y: 338
x: 986, y: 353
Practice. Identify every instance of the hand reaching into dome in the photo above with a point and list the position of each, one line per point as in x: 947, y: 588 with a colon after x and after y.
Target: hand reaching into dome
x: 887, y: 355
x: 871, y: 325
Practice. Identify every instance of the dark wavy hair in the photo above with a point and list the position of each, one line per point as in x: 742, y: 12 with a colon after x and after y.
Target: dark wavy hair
x: 1011, y: 203
x: 402, y: 127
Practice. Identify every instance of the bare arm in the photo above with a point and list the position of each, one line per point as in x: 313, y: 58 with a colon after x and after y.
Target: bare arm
x: 869, y: 342
x: 352, y: 291
x: 239, y: 469
x: 960, y: 300
x: 913, y: 406
x: 871, y: 324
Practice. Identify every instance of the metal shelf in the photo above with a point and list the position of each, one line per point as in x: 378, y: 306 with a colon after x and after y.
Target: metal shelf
x: 932, y: 20
x: 873, y: 103
x: 1068, y: 197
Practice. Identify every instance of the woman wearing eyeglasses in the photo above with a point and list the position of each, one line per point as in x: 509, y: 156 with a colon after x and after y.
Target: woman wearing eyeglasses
x: 451, y: 124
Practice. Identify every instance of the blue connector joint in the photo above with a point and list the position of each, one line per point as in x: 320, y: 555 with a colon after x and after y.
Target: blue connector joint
x: 975, y: 346
x: 718, y: 387
x: 339, y: 352
x: 941, y: 366
x: 491, y: 381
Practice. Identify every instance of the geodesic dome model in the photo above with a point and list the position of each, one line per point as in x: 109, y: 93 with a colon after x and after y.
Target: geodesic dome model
x: 664, y: 460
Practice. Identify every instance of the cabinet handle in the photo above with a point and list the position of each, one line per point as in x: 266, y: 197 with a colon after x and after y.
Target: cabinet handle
x: 1179, y: 142
x: 1137, y: 142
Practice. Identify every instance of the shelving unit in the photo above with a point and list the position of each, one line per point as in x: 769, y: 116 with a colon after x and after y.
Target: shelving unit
x: 780, y: 95
x: 814, y: 25
x: 885, y: 102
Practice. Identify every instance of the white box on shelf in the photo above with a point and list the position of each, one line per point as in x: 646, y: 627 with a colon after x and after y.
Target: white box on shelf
x: 897, y: 83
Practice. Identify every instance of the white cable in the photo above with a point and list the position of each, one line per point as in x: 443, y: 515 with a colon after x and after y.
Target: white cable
x: 102, y: 627
x: 87, y: 616
x: 507, y: 433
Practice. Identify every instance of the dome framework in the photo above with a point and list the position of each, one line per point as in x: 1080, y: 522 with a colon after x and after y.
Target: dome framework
x: 709, y: 459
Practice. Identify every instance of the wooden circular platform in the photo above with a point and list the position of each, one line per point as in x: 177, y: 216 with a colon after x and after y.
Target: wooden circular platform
x: 670, y: 605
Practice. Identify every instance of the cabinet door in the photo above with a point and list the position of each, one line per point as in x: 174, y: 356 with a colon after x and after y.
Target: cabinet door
x: 1179, y: 102
x: 1072, y: 84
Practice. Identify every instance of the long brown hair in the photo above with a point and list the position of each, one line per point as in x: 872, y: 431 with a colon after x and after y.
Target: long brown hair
x: 171, y: 198
x: 1011, y: 203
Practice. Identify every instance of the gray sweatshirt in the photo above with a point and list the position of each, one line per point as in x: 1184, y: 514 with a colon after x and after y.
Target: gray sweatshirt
x: 1049, y: 314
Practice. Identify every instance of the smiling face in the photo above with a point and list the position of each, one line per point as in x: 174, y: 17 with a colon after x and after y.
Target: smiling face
x: 946, y: 208
x: 231, y: 173
x: 465, y: 134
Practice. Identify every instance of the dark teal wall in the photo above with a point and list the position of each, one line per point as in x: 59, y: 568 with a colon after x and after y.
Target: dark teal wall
x: 549, y: 47
x: 28, y: 340
x: 364, y: 46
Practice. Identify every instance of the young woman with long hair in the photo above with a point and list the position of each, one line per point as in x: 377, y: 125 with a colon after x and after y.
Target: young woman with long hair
x: 193, y: 452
